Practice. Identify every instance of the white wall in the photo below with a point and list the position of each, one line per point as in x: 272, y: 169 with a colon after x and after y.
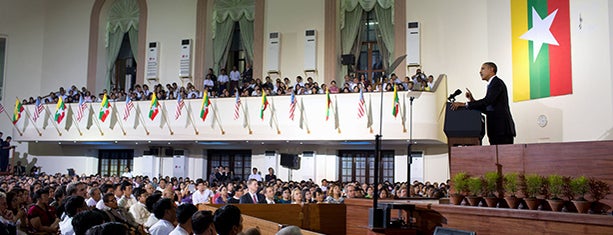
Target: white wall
x: 292, y: 24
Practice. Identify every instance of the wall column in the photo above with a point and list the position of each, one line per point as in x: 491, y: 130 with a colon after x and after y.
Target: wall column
x: 258, y: 40
x: 201, y: 28
x: 400, y: 36
x: 331, y: 58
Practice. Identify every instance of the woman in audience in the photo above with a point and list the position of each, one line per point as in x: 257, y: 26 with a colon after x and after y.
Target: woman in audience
x: 223, y: 196
x: 285, y: 196
x: 308, y: 196
x: 335, y: 195
x: 41, y: 215
x: 297, y: 196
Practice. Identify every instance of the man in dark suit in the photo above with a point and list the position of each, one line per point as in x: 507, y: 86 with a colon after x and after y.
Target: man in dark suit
x: 495, y: 105
x: 252, y: 197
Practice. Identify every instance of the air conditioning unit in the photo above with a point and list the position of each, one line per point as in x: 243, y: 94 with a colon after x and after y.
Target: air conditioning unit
x: 270, y: 153
x: 308, y: 154
x: 274, y: 50
x: 185, y: 62
x: 310, y: 50
x: 413, y: 43
x: 153, y: 61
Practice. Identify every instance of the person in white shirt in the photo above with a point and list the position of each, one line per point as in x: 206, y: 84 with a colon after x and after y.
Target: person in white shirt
x: 127, y: 199
x: 208, y: 82
x: 165, y: 211
x: 235, y: 76
x: 94, y: 197
x: 127, y: 173
x: 139, y: 210
x: 223, y: 80
x: 161, y: 185
x: 255, y: 175
x: 203, y: 194
x: 73, y: 205
x: 184, y: 218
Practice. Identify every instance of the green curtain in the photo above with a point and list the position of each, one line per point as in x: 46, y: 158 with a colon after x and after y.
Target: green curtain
x: 247, y: 37
x: 123, y: 18
x: 386, y: 28
x: 225, y: 13
x: 353, y: 20
x: 221, y: 42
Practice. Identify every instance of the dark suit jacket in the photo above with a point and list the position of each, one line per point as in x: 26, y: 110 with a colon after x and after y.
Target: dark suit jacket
x: 495, y: 105
x: 246, y: 199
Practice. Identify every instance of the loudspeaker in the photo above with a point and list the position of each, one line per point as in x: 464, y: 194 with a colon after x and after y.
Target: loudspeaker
x: 291, y: 161
x: 347, y: 59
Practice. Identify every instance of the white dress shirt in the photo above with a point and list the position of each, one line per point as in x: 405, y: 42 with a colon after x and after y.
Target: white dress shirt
x: 202, y: 197
x: 162, y: 227
x: 179, y: 231
x: 235, y: 75
x: 140, y: 213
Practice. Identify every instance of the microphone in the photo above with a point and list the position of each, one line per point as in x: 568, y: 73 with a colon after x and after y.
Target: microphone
x: 456, y: 93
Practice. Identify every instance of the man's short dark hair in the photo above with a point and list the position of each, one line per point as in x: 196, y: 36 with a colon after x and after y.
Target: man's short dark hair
x: 225, y: 218
x: 39, y: 193
x: 107, y: 197
x: 125, y: 184
x: 108, y: 228
x: 492, y: 65
x: 185, y: 212
x: 201, y: 221
x: 87, y: 219
x: 161, y: 206
x: 151, y: 200
x: 71, y: 189
x: 73, y: 203
x: 139, y: 191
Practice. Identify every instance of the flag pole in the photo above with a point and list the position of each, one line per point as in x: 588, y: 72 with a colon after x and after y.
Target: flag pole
x: 11, y: 120
x: 189, y: 116
x: 164, y: 116
x: 33, y: 123
x: 218, y: 119
x: 53, y: 122
x: 95, y: 119
x: 117, y: 117
x: 142, y: 120
x: 74, y: 120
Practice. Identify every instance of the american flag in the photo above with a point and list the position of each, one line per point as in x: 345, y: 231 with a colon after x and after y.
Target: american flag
x: 361, y: 103
x: 38, y: 109
x: 237, y: 106
x: 1, y: 108
x: 80, y: 110
x: 128, y: 108
x: 292, y: 106
x: 180, y: 104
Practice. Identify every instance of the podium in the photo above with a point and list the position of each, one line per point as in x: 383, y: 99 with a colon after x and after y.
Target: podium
x: 463, y: 126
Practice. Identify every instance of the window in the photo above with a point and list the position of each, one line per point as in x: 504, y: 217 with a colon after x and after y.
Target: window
x: 236, y: 52
x: 358, y: 165
x: 113, y: 162
x: 2, y: 63
x: 370, y: 59
x: 239, y: 161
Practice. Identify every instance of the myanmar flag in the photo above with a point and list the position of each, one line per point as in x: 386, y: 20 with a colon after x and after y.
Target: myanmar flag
x: 541, y: 48
x: 264, y: 104
x: 60, y: 110
x: 17, y: 111
x: 105, y: 108
x: 153, y: 107
x: 204, y: 109
x: 396, y: 107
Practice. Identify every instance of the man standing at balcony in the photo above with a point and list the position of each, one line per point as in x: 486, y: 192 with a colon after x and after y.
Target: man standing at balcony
x: 495, y: 105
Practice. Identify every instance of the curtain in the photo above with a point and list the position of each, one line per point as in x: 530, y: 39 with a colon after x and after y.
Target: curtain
x: 386, y: 28
x: 123, y: 18
x: 353, y: 20
x: 225, y: 13
x: 221, y: 42
x: 247, y: 37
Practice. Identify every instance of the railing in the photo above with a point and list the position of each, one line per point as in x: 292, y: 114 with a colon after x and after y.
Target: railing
x: 310, y: 121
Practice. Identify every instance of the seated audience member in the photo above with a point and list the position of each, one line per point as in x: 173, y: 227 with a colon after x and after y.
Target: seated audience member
x: 269, y: 193
x: 41, y: 215
x: 237, y: 195
x: 319, y: 196
x: 127, y: 199
x: 202, y: 223
x: 335, y: 196
x: 94, y: 197
x: 308, y: 196
x: 296, y: 196
x: 290, y: 230
x: 203, y: 194
x: 383, y: 193
x: 118, y: 214
x: 286, y: 196
x: 252, y: 196
x: 109, y: 228
x: 73, y: 206
x: 165, y: 211
x: 184, y: 218
x: 151, y: 200
x: 223, y: 195
x: 228, y: 220
x: 7, y: 219
x: 139, y: 210
x: 82, y: 221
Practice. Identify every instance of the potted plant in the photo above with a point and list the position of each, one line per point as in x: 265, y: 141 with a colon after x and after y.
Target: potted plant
x: 510, y: 184
x: 598, y: 190
x: 460, y: 187
x: 475, y: 187
x: 555, y: 184
x: 491, y: 181
x: 579, y: 186
x: 534, y: 184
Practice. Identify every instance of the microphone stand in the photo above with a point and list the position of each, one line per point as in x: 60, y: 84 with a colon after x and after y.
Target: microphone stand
x: 375, y: 215
x: 410, y: 145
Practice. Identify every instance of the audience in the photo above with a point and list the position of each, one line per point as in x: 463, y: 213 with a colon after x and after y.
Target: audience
x: 228, y: 220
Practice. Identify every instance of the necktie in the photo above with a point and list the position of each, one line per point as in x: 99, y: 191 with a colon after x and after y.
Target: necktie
x: 255, y: 199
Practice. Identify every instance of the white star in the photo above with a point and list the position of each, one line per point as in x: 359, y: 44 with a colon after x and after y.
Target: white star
x: 540, y: 33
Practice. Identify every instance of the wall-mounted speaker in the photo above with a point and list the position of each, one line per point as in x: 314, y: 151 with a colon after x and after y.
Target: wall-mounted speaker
x: 168, y: 152
x: 347, y: 59
x: 291, y: 161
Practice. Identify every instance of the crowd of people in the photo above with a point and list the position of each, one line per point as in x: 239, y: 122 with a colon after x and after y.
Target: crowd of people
x: 224, y: 85
x: 140, y: 205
